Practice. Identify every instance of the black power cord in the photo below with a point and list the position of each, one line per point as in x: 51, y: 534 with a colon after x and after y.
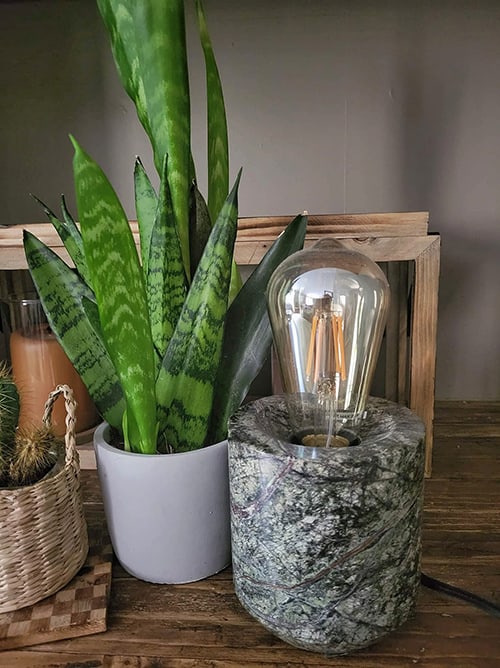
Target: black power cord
x: 480, y: 602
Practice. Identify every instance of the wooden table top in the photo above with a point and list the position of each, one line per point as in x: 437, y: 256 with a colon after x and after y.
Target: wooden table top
x: 202, y: 625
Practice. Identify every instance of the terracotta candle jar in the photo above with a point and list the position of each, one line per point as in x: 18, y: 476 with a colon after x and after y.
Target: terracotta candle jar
x: 39, y: 364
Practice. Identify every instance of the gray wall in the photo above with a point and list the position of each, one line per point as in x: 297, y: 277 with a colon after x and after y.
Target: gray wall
x: 333, y: 106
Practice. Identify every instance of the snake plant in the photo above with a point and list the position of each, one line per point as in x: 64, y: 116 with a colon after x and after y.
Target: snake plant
x: 165, y: 351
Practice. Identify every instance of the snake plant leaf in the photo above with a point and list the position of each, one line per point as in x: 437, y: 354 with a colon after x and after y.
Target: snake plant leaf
x: 165, y: 81
x: 218, y: 148
x: 248, y: 333
x: 92, y: 312
x: 146, y: 204
x: 61, y: 292
x: 217, y: 137
x: 70, y: 236
x: 199, y: 231
x: 236, y: 283
x: 70, y: 221
x: 79, y: 260
x: 185, y: 385
x: 148, y: 40
x: 161, y: 47
x: 200, y: 226
x: 118, y: 282
x: 118, y: 17
x: 165, y: 278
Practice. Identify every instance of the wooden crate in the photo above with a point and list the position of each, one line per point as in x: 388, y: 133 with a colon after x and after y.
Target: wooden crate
x: 401, y: 240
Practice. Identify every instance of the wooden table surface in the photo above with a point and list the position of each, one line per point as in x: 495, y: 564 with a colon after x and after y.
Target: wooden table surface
x: 203, y: 625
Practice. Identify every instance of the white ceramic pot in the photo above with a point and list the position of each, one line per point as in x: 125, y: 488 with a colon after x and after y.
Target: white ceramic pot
x: 167, y: 515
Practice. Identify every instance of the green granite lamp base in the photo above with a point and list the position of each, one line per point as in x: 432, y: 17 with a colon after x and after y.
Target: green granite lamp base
x: 326, y: 542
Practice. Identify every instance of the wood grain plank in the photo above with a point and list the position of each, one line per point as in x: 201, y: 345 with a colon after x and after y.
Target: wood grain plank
x: 356, y: 225
x: 379, y: 249
x: 254, y: 234
x: 423, y: 340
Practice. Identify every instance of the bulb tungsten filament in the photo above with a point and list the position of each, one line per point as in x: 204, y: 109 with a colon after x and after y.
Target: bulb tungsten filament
x: 326, y: 346
x: 326, y: 368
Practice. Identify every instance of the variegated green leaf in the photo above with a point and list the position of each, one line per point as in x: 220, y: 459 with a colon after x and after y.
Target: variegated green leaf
x: 199, y: 231
x: 118, y: 17
x: 160, y: 36
x: 118, y: 283
x: 146, y: 205
x: 185, y: 385
x: 217, y: 139
x: 61, y: 292
x: 200, y: 226
x: 165, y: 277
x: 218, y: 149
x: 67, y: 217
x: 92, y: 312
x: 70, y: 236
x: 236, y: 283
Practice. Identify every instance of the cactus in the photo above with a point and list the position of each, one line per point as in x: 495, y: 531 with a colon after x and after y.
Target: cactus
x: 9, y: 413
x: 9, y: 407
x: 26, y: 455
x: 5, y: 458
x: 35, y: 453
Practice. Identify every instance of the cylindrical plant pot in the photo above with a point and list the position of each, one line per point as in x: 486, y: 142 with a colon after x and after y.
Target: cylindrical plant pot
x: 326, y: 542
x: 168, y: 514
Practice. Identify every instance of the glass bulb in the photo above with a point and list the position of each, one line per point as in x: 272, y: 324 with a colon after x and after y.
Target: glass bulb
x: 328, y: 307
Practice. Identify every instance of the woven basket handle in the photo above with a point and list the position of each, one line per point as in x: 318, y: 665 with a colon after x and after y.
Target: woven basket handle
x: 70, y: 404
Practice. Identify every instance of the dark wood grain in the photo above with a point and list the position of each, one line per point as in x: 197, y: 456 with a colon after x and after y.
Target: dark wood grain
x: 202, y: 625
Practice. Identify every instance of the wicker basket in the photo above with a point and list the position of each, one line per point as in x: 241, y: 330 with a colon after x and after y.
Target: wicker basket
x: 43, y: 534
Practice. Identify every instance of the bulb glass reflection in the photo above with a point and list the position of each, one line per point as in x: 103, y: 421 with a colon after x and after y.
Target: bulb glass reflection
x: 328, y: 307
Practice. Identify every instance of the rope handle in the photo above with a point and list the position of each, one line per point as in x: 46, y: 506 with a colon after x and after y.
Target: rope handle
x: 70, y: 421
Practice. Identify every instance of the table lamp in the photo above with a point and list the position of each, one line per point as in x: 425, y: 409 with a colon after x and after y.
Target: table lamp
x: 326, y: 482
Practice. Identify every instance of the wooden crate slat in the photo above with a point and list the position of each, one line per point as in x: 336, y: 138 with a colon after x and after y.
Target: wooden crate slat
x: 423, y: 340
x: 357, y: 225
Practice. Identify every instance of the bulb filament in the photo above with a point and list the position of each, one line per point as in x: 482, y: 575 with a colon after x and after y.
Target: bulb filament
x: 326, y: 346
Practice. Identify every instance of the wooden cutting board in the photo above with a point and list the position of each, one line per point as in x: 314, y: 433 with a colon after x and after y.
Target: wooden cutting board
x: 78, y: 609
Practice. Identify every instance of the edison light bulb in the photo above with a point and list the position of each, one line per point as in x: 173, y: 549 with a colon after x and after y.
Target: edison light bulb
x: 327, y: 306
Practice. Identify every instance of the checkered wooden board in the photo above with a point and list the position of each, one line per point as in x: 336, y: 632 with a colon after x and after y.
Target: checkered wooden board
x: 76, y: 610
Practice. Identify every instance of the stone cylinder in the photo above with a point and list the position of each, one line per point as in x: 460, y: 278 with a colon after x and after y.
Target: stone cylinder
x: 326, y: 542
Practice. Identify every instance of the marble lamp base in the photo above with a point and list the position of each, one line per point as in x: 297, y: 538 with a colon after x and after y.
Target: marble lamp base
x: 326, y: 543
